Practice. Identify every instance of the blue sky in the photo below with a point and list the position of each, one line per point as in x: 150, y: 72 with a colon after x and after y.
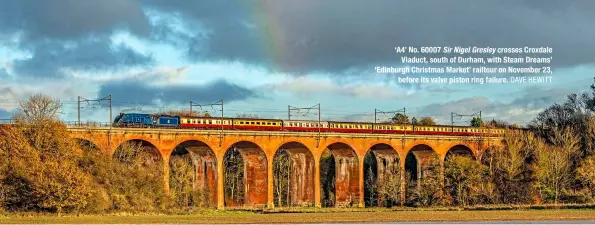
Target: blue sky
x: 260, y: 56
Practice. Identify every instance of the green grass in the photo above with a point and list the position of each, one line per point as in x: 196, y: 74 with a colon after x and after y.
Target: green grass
x: 320, y: 216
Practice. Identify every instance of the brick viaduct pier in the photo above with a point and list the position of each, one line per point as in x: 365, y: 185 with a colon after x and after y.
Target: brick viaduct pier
x: 207, y: 149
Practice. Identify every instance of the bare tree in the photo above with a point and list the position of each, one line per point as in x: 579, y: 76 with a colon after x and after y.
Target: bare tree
x: 282, y: 177
x: 248, y: 116
x: 234, y: 177
x: 463, y: 178
x: 427, y: 121
x: 508, y: 170
x: 553, y: 170
x: 399, y: 119
x: 39, y: 108
x: 586, y: 173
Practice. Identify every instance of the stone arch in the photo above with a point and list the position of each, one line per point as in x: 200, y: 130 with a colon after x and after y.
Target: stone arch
x: 145, y: 142
x: 382, y: 174
x: 194, y: 163
x: 421, y: 162
x: 86, y: 144
x: 141, y: 152
x: 250, y: 179
x: 339, y: 175
x: 485, y: 157
x: 383, y: 144
x: 310, y: 146
x: 293, y: 175
x: 141, y: 144
x: 460, y: 149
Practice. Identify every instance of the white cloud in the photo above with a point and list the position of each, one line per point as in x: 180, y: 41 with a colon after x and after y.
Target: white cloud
x: 159, y: 74
x: 313, y: 86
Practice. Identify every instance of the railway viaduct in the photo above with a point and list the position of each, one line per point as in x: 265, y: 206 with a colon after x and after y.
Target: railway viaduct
x: 207, y: 149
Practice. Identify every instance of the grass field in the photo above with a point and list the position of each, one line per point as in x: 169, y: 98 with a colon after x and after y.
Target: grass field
x: 218, y: 217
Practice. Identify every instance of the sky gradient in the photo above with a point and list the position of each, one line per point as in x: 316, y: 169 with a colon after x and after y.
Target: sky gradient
x: 260, y: 56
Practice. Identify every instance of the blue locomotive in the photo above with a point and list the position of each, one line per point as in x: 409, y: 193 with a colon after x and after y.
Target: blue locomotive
x: 146, y: 120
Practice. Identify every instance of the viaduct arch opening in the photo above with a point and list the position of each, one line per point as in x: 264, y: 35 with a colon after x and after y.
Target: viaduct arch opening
x: 245, y: 173
x: 139, y: 152
x: 382, y: 176
x: 193, y: 174
x: 293, y: 175
x: 86, y: 145
x: 422, y: 166
x: 459, y: 150
x: 339, y: 176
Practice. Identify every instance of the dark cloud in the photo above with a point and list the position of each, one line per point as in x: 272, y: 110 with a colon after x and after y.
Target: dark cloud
x: 4, y: 74
x: 71, y: 19
x: 72, y: 34
x: 334, y: 35
x: 520, y: 110
x: 50, y: 58
x: 298, y: 36
x: 132, y: 92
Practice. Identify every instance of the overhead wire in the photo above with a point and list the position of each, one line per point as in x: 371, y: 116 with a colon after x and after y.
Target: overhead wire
x: 327, y: 114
